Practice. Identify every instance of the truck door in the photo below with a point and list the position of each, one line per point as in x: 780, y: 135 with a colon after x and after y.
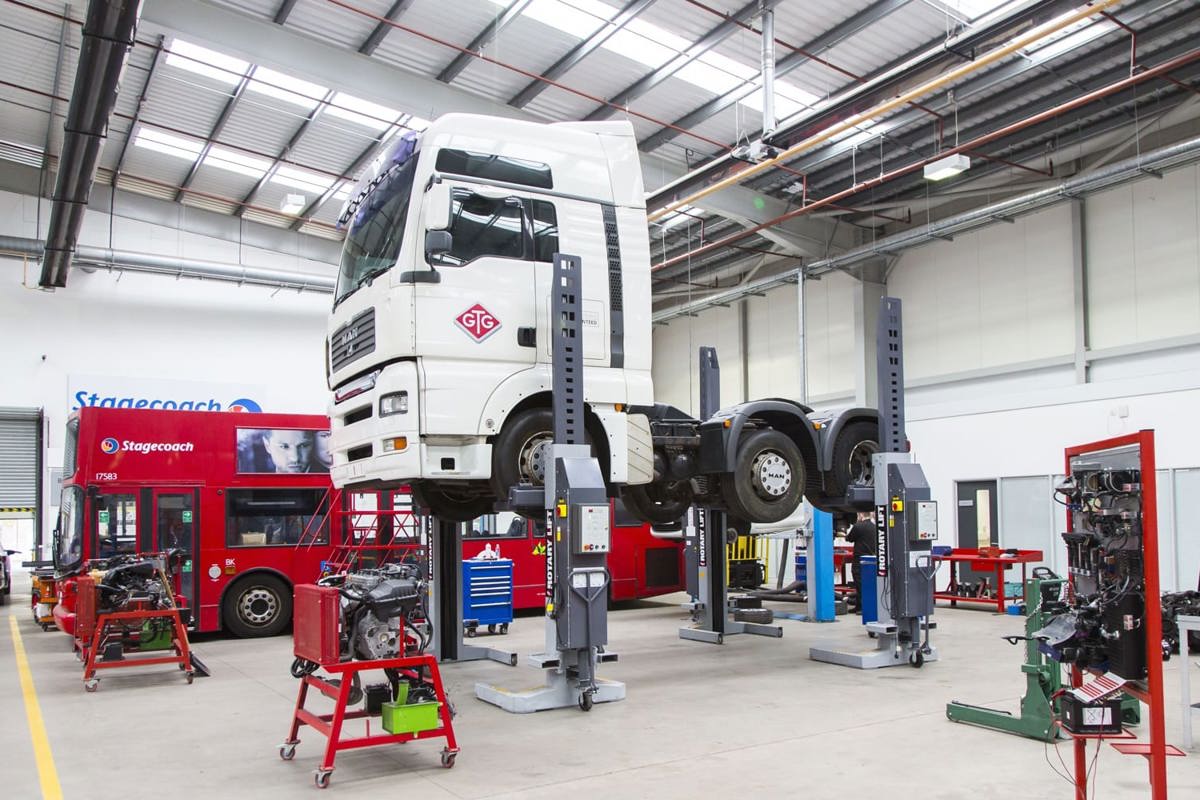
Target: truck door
x: 175, y: 523
x: 477, y: 324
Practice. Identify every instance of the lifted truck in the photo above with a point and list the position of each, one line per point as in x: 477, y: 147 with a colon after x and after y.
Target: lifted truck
x: 439, y: 353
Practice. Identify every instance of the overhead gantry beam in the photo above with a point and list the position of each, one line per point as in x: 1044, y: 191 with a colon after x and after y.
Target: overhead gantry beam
x: 807, y: 237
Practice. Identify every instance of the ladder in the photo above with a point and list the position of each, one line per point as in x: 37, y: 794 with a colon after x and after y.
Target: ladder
x: 366, y: 537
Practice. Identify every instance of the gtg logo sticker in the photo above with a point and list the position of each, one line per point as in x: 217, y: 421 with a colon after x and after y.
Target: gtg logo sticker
x: 477, y: 322
x: 109, y: 446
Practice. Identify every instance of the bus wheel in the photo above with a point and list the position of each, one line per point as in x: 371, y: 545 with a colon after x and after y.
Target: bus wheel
x: 257, y: 605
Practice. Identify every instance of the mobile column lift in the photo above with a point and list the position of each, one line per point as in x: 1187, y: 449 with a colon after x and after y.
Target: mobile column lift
x: 906, y: 520
x: 706, y: 534
x: 576, y: 505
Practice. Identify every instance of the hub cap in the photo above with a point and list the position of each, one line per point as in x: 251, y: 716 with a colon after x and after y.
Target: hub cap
x: 772, y: 475
x: 532, y: 458
x: 258, y: 606
x: 862, y: 471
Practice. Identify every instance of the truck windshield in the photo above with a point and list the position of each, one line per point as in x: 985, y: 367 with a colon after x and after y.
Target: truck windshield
x: 377, y: 230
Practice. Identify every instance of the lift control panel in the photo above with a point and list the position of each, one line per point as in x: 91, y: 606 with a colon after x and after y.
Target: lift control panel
x: 590, y: 531
x: 926, y: 527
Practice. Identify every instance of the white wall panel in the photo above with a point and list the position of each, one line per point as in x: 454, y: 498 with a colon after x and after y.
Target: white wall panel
x: 1143, y: 250
x: 829, y: 334
x: 773, y: 344
x: 676, y: 357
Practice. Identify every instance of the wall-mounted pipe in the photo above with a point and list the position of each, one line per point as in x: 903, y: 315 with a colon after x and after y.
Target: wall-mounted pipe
x: 175, y: 266
x: 108, y: 33
x: 1165, y: 158
x: 853, y: 121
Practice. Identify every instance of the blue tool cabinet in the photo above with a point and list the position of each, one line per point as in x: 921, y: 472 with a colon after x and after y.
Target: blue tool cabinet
x: 487, y: 598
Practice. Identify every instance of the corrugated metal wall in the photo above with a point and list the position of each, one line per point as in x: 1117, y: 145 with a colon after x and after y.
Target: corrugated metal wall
x: 19, y: 458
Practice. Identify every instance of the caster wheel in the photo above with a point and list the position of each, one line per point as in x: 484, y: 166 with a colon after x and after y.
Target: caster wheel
x: 917, y: 659
x: 470, y: 633
x: 90, y: 685
x: 46, y: 627
x: 191, y: 676
x: 321, y: 778
x: 512, y: 660
x: 287, y: 751
x: 585, y: 701
x: 448, y: 759
x: 491, y: 629
x: 504, y: 628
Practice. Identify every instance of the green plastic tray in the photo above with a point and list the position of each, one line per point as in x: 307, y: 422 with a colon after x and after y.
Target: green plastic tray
x: 410, y: 717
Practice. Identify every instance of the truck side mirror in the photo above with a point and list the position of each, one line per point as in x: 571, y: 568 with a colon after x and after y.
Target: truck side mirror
x: 437, y: 243
x: 437, y: 207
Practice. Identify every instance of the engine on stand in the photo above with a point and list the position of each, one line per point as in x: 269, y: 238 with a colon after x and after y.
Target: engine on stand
x: 132, y: 583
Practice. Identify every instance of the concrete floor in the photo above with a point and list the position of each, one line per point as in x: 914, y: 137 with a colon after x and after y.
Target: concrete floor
x: 754, y: 718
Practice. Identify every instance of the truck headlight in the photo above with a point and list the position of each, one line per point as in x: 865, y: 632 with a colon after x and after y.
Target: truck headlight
x: 394, y: 403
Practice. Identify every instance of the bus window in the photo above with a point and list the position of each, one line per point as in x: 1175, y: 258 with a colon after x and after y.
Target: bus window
x: 263, y: 517
x: 116, y: 525
x: 505, y: 525
x: 622, y: 518
x: 70, y: 530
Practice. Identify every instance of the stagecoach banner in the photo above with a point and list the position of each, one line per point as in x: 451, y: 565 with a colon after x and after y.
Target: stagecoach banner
x: 115, y: 391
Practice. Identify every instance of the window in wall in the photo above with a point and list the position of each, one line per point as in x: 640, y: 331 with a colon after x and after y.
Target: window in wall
x: 545, y: 231
x: 496, y: 168
x: 485, y: 226
x: 265, y: 517
x: 116, y: 525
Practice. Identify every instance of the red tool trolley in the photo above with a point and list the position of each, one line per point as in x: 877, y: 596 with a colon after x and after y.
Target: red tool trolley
x: 418, y: 708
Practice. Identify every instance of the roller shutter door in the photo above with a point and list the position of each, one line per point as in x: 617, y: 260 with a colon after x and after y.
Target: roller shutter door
x: 18, y: 459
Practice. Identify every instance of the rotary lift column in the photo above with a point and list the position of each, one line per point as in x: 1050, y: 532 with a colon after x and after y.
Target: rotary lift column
x: 906, y: 525
x: 707, y: 532
x: 577, y: 517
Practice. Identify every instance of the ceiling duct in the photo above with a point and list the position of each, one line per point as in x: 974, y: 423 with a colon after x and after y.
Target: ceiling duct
x: 108, y: 33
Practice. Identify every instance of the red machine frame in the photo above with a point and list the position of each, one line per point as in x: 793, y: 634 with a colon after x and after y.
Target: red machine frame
x: 330, y: 725
x: 1157, y: 749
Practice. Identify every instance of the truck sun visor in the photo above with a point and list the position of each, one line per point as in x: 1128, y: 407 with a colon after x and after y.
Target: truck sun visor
x: 398, y: 153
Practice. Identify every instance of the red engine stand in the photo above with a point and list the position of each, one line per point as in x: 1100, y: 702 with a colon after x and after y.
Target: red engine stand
x: 330, y: 725
x: 89, y: 653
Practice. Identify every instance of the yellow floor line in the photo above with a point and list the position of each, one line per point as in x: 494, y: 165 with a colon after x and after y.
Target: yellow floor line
x: 47, y: 773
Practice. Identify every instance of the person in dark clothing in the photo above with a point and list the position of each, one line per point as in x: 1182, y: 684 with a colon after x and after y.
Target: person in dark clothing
x: 862, y: 535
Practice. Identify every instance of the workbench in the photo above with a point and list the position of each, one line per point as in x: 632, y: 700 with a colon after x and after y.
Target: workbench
x: 997, y: 564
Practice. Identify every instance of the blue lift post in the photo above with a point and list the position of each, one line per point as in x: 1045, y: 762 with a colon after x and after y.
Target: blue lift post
x: 819, y: 569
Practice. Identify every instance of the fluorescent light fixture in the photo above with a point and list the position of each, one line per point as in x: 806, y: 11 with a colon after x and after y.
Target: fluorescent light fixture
x: 292, y: 204
x: 947, y: 167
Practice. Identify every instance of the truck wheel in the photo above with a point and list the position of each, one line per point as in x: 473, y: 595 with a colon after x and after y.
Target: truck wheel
x: 852, y: 452
x: 451, y: 503
x: 521, y: 453
x: 257, y: 605
x: 768, y: 478
x: 661, y: 503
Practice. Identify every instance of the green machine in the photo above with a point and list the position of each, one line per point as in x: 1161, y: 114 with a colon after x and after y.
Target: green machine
x: 1043, y: 676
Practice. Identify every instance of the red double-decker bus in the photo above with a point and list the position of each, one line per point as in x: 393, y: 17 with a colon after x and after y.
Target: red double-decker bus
x: 641, y: 564
x: 245, y: 497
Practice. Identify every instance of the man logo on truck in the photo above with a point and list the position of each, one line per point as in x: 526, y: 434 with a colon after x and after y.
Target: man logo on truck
x: 478, y: 322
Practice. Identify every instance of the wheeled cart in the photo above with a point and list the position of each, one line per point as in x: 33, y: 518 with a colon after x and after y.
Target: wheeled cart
x: 419, y: 670
x: 111, y: 647
x: 487, y: 587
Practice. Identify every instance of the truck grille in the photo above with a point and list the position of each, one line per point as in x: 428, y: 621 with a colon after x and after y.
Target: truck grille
x: 353, y: 340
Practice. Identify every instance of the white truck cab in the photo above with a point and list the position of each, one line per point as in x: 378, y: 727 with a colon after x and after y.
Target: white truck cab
x: 439, y: 353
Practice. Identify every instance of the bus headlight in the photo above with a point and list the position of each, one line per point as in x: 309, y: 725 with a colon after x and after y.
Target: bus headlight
x: 394, y: 403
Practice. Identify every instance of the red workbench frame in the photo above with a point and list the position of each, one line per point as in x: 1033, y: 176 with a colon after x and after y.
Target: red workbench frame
x: 179, y: 643
x: 998, y: 564
x: 1157, y: 750
x: 330, y: 725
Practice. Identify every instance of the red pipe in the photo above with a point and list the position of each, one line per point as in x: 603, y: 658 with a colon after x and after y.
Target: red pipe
x: 1000, y: 133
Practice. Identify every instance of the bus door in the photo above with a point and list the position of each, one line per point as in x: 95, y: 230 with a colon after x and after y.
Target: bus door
x: 114, y: 523
x: 175, y: 519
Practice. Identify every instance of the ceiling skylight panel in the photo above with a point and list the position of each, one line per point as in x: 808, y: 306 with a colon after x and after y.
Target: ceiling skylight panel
x: 362, y: 112
x: 167, y: 144
x: 577, y: 18
x: 706, y: 76
x: 301, y: 179
x: 233, y: 161
x: 202, y: 61
x: 638, y: 48
x: 287, y: 88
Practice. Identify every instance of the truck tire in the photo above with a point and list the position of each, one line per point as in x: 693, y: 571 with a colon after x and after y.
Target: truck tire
x: 852, y: 452
x: 659, y: 503
x: 259, y: 604
x: 450, y: 502
x: 768, y: 478
x: 521, y: 453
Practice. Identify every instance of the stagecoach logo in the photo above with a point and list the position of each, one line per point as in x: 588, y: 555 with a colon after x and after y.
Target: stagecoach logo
x: 478, y: 322
x: 109, y: 446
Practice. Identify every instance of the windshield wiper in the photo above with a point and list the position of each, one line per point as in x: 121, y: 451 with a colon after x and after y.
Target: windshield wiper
x: 365, y: 280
